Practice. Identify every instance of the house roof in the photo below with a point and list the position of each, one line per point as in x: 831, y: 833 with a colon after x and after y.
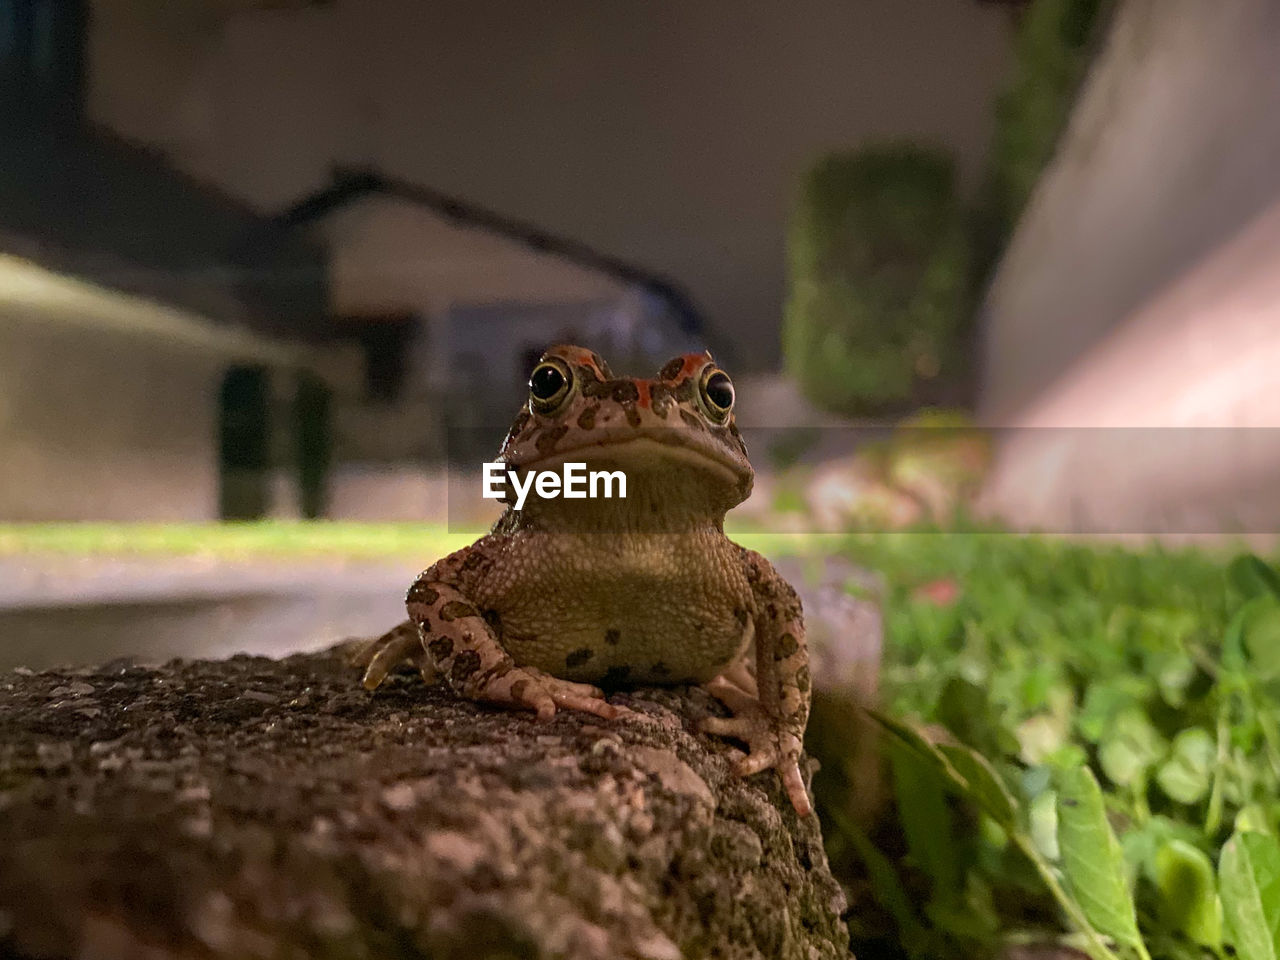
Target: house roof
x: 353, y: 184
x: 85, y: 202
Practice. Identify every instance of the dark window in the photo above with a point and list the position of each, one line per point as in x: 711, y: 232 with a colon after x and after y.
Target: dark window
x: 244, y: 443
x: 313, y: 413
x: 44, y: 42
x: 8, y: 32
x: 385, y: 340
x: 42, y: 49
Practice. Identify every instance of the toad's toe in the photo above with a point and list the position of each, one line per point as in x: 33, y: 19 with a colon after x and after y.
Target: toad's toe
x: 767, y: 748
x: 379, y: 657
x: 543, y: 693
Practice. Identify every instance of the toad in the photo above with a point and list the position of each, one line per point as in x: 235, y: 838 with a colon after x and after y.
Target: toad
x: 567, y: 596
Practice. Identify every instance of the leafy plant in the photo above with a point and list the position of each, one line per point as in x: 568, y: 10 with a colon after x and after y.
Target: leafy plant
x: 1083, y: 748
x: 1250, y: 881
x: 877, y: 274
x: 886, y: 269
x: 1052, y: 48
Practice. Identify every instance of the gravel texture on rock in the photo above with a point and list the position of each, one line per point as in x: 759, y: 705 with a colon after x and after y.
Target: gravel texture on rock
x: 272, y: 808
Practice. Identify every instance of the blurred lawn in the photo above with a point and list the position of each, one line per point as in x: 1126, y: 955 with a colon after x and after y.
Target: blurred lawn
x: 234, y: 541
x: 905, y: 559
x: 289, y: 539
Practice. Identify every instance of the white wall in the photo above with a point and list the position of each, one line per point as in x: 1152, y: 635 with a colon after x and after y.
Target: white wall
x: 104, y: 425
x: 109, y: 402
x: 1173, y: 149
x: 387, y: 254
x: 1134, y: 328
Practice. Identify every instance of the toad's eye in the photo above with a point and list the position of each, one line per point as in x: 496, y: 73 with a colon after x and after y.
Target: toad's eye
x: 717, y: 394
x: 549, y: 385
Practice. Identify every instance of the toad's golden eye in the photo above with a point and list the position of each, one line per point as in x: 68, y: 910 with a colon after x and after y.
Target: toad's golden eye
x: 717, y: 394
x: 549, y: 385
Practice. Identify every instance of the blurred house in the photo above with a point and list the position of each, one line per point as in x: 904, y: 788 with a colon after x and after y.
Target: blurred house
x: 150, y: 326
x: 450, y: 305
x: 1133, y: 328
x: 168, y: 352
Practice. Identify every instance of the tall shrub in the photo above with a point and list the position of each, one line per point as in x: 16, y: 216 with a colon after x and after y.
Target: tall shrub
x: 877, y: 277
x: 1052, y: 48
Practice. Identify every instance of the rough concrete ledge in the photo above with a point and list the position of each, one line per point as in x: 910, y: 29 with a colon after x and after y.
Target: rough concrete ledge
x: 259, y: 808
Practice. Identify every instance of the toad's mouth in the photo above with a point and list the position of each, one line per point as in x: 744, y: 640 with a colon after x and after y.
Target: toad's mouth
x: 638, y: 450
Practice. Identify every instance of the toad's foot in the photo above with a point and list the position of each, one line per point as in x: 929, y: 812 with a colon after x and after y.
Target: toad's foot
x: 533, y: 689
x: 767, y: 744
x: 383, y: 654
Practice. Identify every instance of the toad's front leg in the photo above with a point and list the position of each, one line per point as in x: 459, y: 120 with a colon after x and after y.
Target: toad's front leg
x: 770, y: 710
x: 466, y: 652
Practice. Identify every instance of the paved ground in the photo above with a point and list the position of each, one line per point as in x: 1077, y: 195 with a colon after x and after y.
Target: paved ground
x: 71, y: 611
x: 1171, y: 424
x: 63, y: 611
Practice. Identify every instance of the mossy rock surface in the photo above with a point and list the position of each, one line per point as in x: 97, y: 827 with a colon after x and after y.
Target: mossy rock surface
x: 272, y: 808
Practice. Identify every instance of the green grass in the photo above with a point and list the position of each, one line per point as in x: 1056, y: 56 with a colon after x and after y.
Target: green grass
x: 234, y: 541
x: 290, y: 539
x: 1109, y: 722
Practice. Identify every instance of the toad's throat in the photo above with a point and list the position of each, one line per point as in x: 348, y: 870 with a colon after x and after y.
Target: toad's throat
x: 668, y: 489
x: 641, y: 453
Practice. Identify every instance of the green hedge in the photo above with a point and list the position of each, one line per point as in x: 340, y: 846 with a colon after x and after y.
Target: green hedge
x: 1054, y: 43
x: 886, y: 269
x: 878, y: 273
